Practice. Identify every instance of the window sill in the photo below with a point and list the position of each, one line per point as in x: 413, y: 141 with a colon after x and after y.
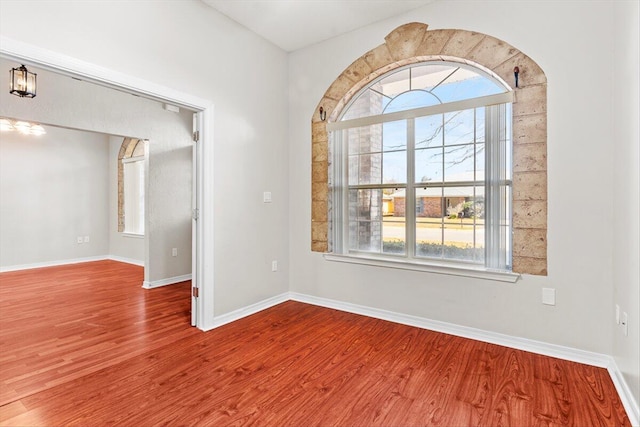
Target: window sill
x: 457, y: 270
x: 133, y: 235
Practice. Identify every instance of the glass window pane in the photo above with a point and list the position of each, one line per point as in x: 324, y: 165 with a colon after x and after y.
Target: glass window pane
x: 369, y: 169
x: 353, y: 170
x: 394, y: 84
x: 429, y: 131
x: 393, y: 232
x: 429, y: 216
x: 429, y: 203
x: 394, y: 136
x: 464, y: 225
x: 466, y: 84
x: 368, y: 204
x: 394, y: 167
x: 369, y: 103
x: 365, y: 220
x: 428, y: 165
x: 429, y: 76
x: 365, y: 139
x: 459, y: 127
x: 480, y: 124
x: 459, y: 163
x: 459, y: 241
x: 431, y: 246
x: 410, y: 100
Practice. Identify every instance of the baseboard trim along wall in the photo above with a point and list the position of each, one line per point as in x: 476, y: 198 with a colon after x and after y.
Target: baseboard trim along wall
x: 126, y: 260
x: 165, y: 282
x: 538, y: 347
x: 248, y: 311
x: 51, y: 263
x: 629, y: 403
x: 70, y: 261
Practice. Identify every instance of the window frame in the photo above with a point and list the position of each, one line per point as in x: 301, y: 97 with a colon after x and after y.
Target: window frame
x: 340, y: 189
x: 138, y: 186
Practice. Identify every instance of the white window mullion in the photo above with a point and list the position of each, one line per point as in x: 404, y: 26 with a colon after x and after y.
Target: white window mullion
x: 410, y: 192
x: 338, y: 182
x: 498, y: 182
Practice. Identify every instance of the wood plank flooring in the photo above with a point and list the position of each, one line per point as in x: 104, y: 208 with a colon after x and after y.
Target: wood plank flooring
x: 112, y: 353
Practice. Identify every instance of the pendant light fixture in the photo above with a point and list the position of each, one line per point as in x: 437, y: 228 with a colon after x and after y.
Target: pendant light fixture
x: 23, y: 82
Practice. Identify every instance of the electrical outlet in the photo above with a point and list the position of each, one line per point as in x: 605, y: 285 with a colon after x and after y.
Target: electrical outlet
x: 80, y: 240
x: 625, y: 323
x: 274, y: 265
x: 174, y: 252
x: 617, y: 314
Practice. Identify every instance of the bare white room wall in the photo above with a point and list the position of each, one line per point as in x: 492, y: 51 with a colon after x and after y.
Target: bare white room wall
x: 189, y: 47
x: 121, y: 247
x: 625, y: 144
x: 572, y: 42
x: 53, y: 190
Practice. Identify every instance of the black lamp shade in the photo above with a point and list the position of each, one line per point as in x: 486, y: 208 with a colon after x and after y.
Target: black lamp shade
x: 23, y: 82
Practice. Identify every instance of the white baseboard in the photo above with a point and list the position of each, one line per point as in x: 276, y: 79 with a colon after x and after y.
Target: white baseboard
x: 538, y: 347
x: 248, y: 311
x: 126, y: 260
x: 629, y: 403
x: 166, y: 282
x: 51, y: 263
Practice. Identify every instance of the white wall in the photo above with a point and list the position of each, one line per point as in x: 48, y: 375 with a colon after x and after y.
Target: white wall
x: 53, y: 188
x: 625, y: 144
x: 572, y: 42
x: 124, y: 247
x: 189, y: 47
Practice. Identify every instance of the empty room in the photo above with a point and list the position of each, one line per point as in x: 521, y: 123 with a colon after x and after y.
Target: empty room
x: 327, y: 213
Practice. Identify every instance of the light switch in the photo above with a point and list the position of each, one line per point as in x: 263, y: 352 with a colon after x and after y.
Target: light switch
x: 266, y: 197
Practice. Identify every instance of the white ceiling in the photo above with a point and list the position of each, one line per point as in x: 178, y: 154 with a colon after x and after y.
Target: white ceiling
x: 294, y: 24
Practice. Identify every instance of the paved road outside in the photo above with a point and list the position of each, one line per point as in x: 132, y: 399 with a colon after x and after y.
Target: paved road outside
x: 454, y: 233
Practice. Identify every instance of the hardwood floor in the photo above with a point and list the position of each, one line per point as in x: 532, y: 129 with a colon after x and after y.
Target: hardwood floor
x: 86, y: 346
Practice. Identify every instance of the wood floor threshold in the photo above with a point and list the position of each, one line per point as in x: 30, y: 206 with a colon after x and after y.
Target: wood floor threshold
x: 116, y: 354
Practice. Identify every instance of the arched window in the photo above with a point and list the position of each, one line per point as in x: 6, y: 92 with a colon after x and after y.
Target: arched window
x: 422, y: 167
x: 131, y: 172
x: 408, y: 55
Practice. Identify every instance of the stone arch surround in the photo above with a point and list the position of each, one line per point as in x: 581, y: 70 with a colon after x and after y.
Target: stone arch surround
x: 412, y: 43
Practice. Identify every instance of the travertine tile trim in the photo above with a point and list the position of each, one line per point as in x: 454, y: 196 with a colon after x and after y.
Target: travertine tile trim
x: 412, y: 43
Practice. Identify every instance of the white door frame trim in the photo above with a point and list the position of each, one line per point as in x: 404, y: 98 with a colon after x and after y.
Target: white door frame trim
x: 63, y: 64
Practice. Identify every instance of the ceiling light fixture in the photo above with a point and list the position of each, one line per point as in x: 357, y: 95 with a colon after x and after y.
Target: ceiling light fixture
x: 23, y: 82
x: 23, y: 127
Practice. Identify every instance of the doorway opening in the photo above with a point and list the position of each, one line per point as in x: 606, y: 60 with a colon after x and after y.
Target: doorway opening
x: 201, y: 153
